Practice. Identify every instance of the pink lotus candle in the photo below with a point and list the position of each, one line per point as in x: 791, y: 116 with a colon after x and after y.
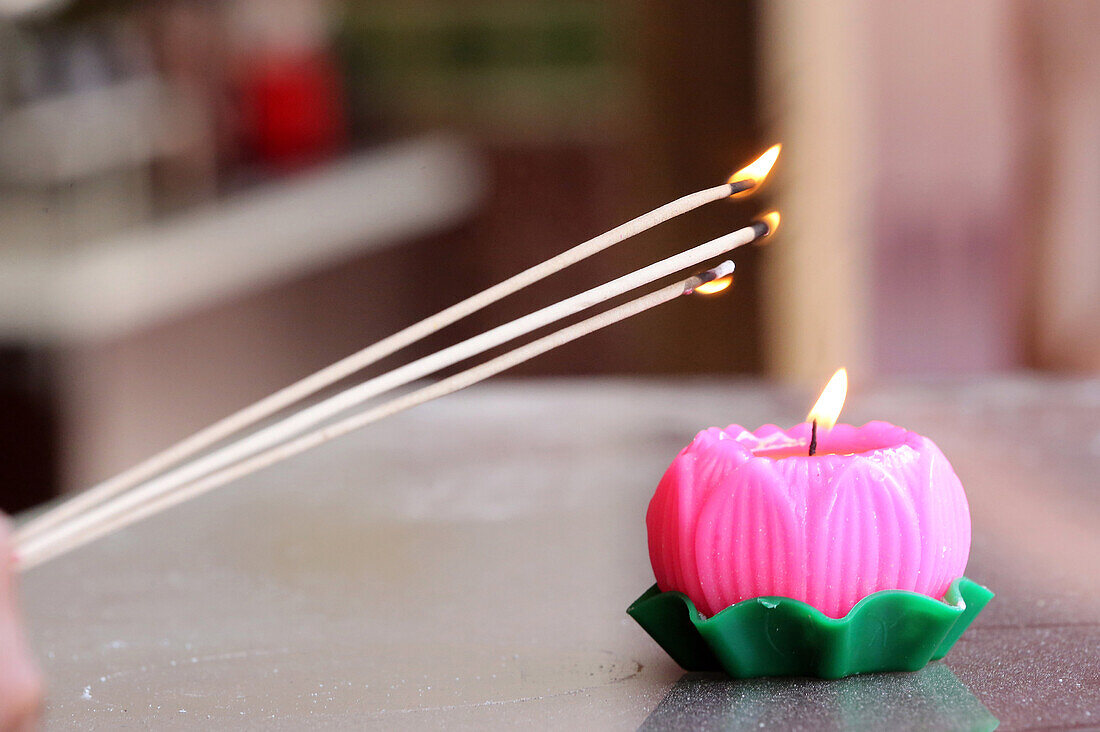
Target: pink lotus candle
x: 743, y: 514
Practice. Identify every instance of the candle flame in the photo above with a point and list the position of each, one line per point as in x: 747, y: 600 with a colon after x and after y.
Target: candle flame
x: 756, y: 171
x: 715, y: 286
x: 771, y: 218
x: 827, y: 410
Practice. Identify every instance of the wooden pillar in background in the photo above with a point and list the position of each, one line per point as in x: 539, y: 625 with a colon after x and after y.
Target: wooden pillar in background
x: 1060, y: 72
x: 815, y: 297
x: 901, y: 250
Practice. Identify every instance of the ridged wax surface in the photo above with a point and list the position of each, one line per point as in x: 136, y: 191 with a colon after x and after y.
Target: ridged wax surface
x: 743, y: 514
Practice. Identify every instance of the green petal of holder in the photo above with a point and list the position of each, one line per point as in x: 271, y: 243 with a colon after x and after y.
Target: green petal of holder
x: 891, y: 630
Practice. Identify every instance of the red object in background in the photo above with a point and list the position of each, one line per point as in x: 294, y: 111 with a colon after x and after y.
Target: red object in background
x: 293, y: 110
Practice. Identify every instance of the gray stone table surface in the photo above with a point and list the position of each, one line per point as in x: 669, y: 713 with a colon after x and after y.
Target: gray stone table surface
x: 467, y: 565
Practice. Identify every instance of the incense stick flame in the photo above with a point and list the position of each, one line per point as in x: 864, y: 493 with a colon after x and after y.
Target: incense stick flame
x: 715, y: 286
x: 756, y: 171
x: 827, y: 409
x: 772, y: 220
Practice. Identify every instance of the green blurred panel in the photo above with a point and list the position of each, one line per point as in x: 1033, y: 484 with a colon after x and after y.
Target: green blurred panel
x: 486, y: 63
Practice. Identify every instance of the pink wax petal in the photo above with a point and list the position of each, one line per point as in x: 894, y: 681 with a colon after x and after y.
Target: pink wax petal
x: 682, y: 491
x: 746, y: 538
x: 861, y: 530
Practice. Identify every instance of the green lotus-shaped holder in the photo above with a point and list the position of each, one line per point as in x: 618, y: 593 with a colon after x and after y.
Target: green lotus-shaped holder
x: 891, y: 630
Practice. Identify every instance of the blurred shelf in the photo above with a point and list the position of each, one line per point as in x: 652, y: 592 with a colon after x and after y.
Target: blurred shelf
x: 68, y: 137
x: 120, y: 284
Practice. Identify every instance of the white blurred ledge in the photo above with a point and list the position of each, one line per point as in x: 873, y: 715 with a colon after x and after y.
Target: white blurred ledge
x: 67, y: 137
x: 120, y: 284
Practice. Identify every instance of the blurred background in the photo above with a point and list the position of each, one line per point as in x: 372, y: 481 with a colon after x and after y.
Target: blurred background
x: 204, y: 200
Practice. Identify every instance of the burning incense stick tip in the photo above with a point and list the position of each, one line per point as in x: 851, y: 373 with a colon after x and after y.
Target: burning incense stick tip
x: 740, y: 186
x: 745, y: 181
x: 766, y: 225
x: 712, y: 281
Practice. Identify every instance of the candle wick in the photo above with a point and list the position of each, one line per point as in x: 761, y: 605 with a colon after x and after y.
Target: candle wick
x: 813, y: 438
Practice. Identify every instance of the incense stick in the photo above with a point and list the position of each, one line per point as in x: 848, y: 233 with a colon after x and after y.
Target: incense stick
x: 51, y: 550
x: 286, y: 397
x: 353, y: 396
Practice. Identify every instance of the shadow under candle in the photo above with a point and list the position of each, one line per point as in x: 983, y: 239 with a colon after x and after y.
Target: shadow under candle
x: 932, y: 698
